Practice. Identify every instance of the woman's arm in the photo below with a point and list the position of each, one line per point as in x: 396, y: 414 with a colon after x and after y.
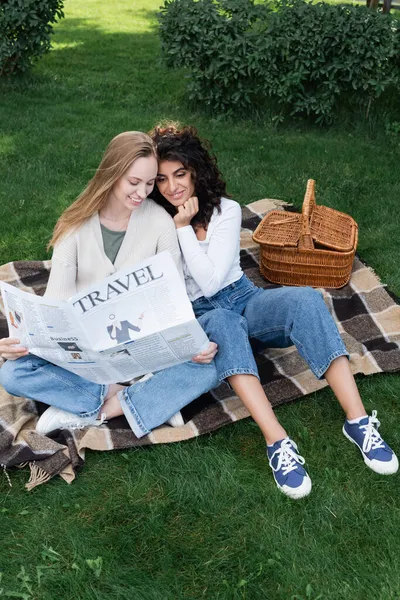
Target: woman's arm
x: 210, y: 270
x: 64, y: 267
x: 169, y: 241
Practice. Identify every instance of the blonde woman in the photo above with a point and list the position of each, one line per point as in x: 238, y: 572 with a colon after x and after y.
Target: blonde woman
x: 110, y: 226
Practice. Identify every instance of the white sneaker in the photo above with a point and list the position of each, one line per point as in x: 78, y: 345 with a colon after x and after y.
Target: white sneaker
x: 55, y: 418
x: 176, y: 420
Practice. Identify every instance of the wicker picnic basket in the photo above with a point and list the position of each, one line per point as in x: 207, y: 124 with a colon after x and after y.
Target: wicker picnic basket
x: 314, y: 248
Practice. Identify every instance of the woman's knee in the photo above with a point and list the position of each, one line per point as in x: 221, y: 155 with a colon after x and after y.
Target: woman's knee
x: 14, y: 375
x: 8, y: 378
x: 311, y: 312
x: 222, y: 321
x: 308, y: 297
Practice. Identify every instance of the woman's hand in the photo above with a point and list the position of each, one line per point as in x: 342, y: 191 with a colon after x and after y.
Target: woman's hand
x: 205, y: 357
x: 186, y: 212
x: 10, y: 349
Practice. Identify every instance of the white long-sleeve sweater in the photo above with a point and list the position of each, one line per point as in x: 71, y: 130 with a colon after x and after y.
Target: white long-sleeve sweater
x: 79, y: 259
x: 214, y: 263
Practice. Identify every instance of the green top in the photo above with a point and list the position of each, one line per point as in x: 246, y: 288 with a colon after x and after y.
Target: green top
x: 112, y: 241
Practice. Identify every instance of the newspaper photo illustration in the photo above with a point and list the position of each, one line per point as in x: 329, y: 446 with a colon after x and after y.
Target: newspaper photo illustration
x: 119, y: 330
x: 136, y: 321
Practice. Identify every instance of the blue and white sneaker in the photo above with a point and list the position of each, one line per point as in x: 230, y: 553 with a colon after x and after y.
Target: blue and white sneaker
x: 377, y: 455
x: 287, y: 466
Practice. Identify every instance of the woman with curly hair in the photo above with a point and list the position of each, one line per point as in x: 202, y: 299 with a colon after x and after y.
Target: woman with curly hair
x: 190, y: 187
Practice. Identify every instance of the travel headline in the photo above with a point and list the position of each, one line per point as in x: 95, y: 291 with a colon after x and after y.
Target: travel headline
x: 117, y: 287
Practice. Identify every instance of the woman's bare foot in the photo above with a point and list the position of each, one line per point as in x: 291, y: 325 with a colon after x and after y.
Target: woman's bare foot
x: 111, y: 408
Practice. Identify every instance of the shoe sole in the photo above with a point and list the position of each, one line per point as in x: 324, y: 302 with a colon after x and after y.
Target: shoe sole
x: 293, y: 495
x: 367, y: 461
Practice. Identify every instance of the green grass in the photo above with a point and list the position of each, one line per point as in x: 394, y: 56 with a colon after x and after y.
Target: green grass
x: 200, y: 519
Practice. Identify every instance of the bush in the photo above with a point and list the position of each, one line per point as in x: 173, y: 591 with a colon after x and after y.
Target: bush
x: 25, y: 29
x: 304, y: 58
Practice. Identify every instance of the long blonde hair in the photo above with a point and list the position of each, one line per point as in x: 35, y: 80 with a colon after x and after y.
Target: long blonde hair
x: 120, y: 153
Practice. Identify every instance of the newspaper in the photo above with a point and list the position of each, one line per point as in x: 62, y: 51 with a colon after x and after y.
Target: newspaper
x: 136, y: 321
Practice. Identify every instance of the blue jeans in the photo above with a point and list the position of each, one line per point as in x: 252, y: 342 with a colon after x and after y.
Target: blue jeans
x: 278, y: 318
x: 36, y: 378
x: 146, y: 404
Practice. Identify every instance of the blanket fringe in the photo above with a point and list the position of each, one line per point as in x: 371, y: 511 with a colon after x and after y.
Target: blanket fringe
x: 37, y: 477
x: 6, y: 474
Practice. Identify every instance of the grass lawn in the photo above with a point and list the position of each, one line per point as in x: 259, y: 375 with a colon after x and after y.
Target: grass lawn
x: 200, y: 519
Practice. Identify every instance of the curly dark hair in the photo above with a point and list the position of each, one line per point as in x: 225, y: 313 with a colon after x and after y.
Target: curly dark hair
x: 182, y: 144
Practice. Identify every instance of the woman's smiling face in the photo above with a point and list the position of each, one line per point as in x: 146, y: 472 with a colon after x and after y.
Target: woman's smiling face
x: 175, y: 182
x: 136, y: 183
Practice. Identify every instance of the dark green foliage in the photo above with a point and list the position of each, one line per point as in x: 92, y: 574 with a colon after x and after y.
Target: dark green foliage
x: 25, y: 29
x: 304, y: 58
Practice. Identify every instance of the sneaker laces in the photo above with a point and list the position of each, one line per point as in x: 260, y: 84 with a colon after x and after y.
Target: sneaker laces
x: 80, y: 423
x: 288, y: 458
x: 372, y: 438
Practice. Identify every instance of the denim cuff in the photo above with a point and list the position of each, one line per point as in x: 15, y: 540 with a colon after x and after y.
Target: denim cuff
x: 92, y: 413
x: 238, y: 371
x: 131, y: 414
x: 319, y: 373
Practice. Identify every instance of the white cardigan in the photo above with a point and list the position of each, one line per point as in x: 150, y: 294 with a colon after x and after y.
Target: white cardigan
x: 214, y: 263
x: 79, y: 259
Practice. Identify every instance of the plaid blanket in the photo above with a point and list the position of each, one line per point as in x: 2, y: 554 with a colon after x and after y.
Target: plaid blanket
x: 368, y: 318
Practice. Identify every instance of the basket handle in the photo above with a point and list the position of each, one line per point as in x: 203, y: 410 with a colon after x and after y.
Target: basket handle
x: 306, y: 241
